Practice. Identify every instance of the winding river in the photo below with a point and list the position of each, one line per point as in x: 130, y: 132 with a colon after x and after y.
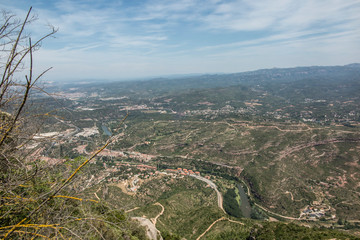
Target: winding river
x: 245, y: 205
x: 106, y: 130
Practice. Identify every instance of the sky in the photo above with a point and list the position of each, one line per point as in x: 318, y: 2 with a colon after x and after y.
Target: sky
x: 129, y: 39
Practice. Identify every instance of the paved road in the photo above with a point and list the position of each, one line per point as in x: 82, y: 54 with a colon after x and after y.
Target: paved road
x: 212, y: 185
x: 266, y: 210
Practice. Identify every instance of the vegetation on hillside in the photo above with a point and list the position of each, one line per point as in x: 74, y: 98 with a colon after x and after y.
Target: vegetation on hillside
x: 268, y: 231
x: 231, y: 203
x: 290, y: 135
x: 39, y: 199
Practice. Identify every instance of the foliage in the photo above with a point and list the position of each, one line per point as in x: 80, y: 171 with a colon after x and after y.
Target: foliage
x: 231, y: 205
x: 290, y: 134
x: 168, y: 236
x: 293, y: 231
x: 39, y: 199
x: 273, y: 230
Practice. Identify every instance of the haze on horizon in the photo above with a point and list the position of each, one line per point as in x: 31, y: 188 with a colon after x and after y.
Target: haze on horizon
x: 134, y: 39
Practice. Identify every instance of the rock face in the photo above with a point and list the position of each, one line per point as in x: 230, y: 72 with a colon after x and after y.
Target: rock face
x: 151, y: 230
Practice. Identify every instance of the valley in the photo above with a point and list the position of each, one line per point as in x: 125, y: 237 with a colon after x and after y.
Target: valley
x: 289, y: 136
x: 147, y: 120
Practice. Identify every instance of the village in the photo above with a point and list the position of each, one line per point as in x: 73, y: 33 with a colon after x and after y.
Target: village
x: 130, y: 180
x: 317, y: 211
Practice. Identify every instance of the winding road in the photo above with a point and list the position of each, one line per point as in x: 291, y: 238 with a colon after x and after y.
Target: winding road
x: 160, y: 213
x: 220, y: 219
x: 279, y: 215
x: 152, y: 232
x: 212, y: 185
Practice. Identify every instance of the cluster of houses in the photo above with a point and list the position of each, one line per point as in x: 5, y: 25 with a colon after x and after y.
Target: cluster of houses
x: 148, y: 171
x: 315, y: 212
x: 143, y: 167
x: 132, y: 184
x: 182, y: 171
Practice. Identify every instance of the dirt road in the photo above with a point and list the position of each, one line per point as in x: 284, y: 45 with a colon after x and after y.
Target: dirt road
x: 151, y: 231
x: 160, y: 213
x: 220, y: 219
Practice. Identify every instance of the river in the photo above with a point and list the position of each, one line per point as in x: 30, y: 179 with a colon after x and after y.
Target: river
x: 245, y: 205
x: 106, y: 130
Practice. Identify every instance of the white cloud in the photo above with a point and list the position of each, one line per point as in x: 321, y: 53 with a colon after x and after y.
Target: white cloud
x: 155, y: 37
x: 280, y: 14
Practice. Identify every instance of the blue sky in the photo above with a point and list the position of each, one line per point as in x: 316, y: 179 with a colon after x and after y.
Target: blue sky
x: 110, y: 39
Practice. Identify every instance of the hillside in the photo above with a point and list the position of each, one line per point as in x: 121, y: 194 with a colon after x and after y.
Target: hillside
x: 291, y: 136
